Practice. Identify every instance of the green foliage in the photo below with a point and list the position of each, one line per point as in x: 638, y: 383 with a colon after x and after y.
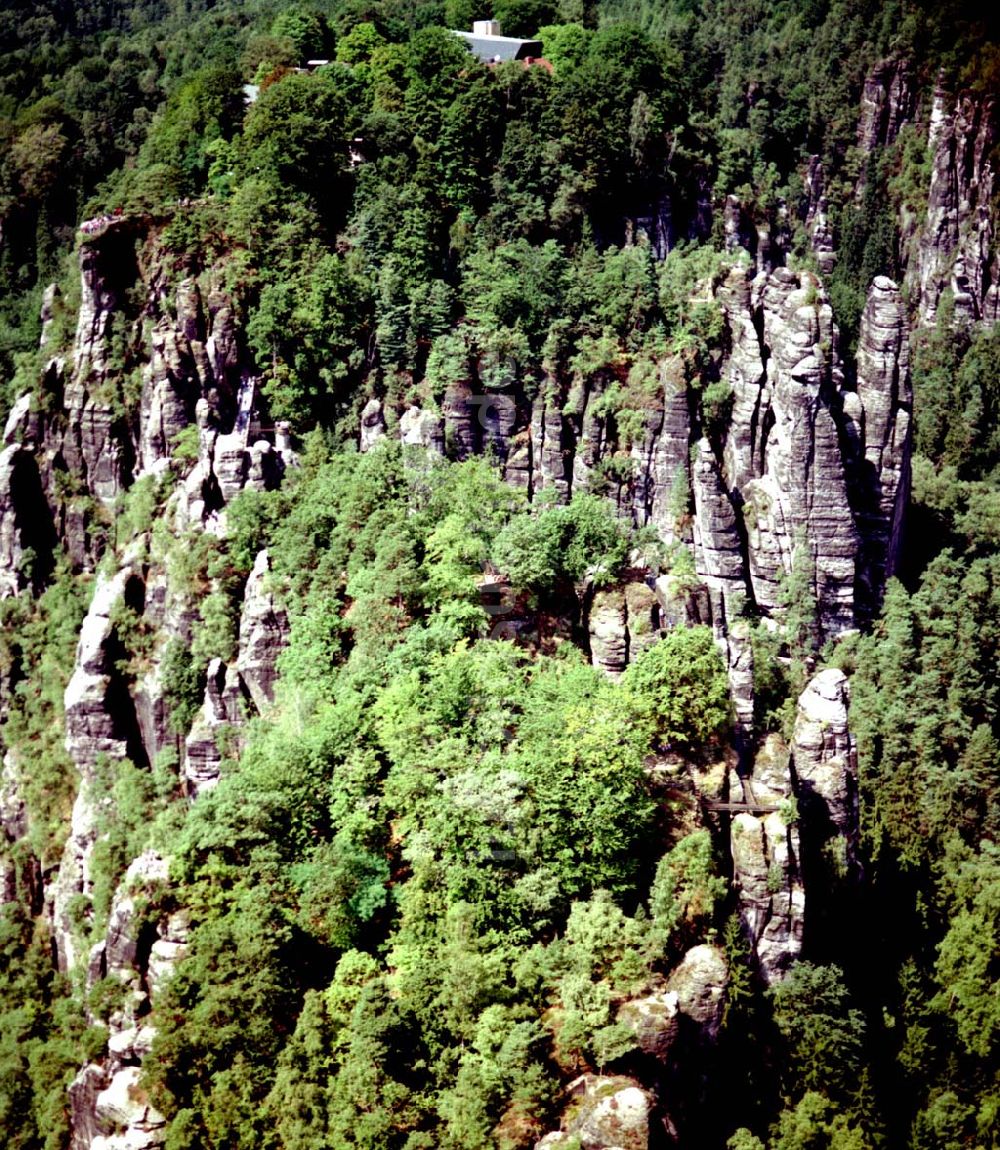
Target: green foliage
x: 823, y: 1034
x: 966, y: 965
x: 305, y: 28
x: 39, y: 644
x: 183, y: 685
x: 304, y: 329
x: 563, y: 543
x: 685, y: 890
x: 680, y: 686
x: 797, y: 597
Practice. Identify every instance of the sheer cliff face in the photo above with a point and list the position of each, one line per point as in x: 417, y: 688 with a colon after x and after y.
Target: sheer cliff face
x: 888, y: 101
x: 881, y: 414
x: 77, y: 453
x: 953, y: 248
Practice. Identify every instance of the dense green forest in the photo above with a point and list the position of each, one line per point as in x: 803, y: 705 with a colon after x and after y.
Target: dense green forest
x: 434, y: 871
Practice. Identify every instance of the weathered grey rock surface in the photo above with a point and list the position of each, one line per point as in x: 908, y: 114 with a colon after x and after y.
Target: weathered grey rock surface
x: 263, y: 635
x: 888, y: 101
x: 767, y: 873
x: 606, y: 1113
x: 110, y: 1109
x: 824, y: 757
x: 699, y: 983
x: 955, y: 245
x: 223, y: 713
x: 882, y: 478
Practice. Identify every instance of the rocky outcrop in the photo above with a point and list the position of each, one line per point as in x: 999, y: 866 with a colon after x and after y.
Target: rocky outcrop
x: 95, y: 445
x: 110, y: 1110
x: 83, y: 1092
x: 765, y: 850
x: 801, y: 804
x: 818, y: 226
x: 606, y: 1113
x: 683, y: 601
x: 779, y: 486
x: 223, y: 713
x: 882, y: 419
x: 824, y: 765
x: 719, y: 558
x: 888, y: 101
x: 549, y: 444
x: 661, y: 461
x: 176, y: 377
x: 955, y: 247
x: 27, y: 540
x: 50, y: 300
x: 699, y: 984
x: 609, y: 631
x: 263, y: 635
x: 13, y: 809
x: 372, y: 424
x: 695, y: 991
x: 622, y: 622
x: 798, y: 494
x: 653, y: 1020
x: 100, y: 722
x: 126, y: 1117
x: 93, y: 727
x: 419, y: 427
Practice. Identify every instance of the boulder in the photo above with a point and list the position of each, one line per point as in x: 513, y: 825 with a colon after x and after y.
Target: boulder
x: 698, y: 987
x: 609, y: 1113
x: 653, y: 1021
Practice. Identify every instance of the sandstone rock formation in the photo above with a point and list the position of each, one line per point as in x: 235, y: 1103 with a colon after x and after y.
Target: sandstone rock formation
x: 888, y: 101
x: 109, y: 1108
x: 606, y: 1113
x: 653, y: 1019
x: 955, y: 247
x: 372, y: 424
x: 96, y: 720
x: 263, y: 635
x: 609, y: 631
x: 818, y: 226
x: 25, y: 532
x: 882, y: 479
x: 699, y: 984
x: 765, y: 850
x: 224, y: 711
x: 824, y: 762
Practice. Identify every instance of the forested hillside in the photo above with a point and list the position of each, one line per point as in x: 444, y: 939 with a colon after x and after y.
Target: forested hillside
x: 499, y: 576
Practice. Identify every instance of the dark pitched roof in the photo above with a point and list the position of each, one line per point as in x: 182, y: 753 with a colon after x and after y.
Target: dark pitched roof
x: 488, y: 48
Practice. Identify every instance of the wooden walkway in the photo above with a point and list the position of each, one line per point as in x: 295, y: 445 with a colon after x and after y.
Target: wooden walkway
x: 734, y: 808
x: 749, y: 803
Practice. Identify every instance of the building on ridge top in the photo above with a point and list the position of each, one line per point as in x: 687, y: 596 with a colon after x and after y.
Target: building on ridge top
x: 486, y: 43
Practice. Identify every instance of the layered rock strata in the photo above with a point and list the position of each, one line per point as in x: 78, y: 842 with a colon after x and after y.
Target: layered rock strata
x: 881, y: 413
x: 801, y: 799
x: 955, y: 248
